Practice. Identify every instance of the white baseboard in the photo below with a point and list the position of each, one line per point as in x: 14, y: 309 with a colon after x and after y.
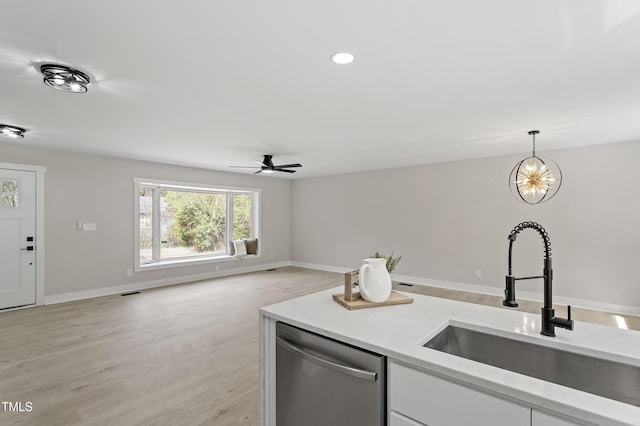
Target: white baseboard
x: 451, y: 285
x: 143, y: 285
x: 492, y: 291
x: 536, y: 297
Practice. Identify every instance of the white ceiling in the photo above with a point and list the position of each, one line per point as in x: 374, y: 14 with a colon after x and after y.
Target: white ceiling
x: 214, y: 83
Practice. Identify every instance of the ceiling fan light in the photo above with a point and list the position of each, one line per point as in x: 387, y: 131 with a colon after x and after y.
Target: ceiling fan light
x: 267, y: 171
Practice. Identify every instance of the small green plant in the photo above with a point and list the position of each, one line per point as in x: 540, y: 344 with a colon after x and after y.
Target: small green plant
x: 391, y: 261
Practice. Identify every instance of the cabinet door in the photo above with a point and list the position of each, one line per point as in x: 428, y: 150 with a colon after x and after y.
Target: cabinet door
x: 540, y: 418
x: 400, y: 420
x: 438, y: 402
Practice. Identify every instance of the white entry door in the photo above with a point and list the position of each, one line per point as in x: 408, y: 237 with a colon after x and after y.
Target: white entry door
x: 17, y: 238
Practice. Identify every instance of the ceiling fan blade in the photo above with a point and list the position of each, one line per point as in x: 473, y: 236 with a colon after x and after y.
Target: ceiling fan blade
x: 267, y: 166
x: 286, y: 166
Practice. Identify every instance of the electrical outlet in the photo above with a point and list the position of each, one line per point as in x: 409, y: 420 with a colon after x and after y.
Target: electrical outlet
x: 129, y: 272
x: 478, y: 273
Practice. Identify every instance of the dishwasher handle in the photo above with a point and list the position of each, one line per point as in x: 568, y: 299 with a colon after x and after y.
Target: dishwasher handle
x: 330, y: 365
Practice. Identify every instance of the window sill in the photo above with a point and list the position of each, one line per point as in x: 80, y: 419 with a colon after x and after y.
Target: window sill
x: 177, y: 263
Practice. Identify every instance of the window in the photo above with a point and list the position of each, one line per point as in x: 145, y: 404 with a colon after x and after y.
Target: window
x: 179, y: 223
x: 10, y: 193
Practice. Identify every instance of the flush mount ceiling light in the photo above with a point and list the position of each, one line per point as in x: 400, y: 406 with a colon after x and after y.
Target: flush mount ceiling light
x: 64, y: 78
x: 11, y: 131
x: 535, y: 179
x: 342, y: 58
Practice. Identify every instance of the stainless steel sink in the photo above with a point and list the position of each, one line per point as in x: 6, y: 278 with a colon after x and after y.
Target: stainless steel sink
x: 599, y: 376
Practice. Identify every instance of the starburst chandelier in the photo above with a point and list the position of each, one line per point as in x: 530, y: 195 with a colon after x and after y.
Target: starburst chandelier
x: 535, y: 179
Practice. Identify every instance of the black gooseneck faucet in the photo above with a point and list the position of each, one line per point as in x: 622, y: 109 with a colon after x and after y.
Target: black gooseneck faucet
x: 549, y: 321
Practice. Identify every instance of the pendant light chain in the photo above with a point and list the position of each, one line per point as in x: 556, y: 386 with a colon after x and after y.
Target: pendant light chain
x: 534, y: 144
x: 534, y: 133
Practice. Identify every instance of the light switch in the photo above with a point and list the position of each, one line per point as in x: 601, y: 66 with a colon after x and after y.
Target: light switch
x: 86, y: 226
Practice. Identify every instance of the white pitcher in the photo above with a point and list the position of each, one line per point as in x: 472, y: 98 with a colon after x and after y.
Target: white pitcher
x: 375, y: 282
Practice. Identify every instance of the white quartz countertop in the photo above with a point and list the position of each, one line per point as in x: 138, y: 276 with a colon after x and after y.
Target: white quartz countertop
x: 399, y: 332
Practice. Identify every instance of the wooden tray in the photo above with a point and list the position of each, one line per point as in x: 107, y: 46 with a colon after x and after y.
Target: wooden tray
x: 395, y: 299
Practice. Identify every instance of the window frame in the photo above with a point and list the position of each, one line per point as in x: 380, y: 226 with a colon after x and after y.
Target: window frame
x: 16, y: 195
x: 160, y: 184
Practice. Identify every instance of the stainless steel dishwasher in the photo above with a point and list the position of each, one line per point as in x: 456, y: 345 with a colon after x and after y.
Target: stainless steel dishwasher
x: 322, y: 382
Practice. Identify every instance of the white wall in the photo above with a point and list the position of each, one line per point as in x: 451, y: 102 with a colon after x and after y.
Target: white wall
x: 100, y: 189
x: 447, y: 220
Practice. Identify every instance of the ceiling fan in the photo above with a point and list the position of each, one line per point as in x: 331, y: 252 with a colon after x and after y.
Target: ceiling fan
x: 267, y: 166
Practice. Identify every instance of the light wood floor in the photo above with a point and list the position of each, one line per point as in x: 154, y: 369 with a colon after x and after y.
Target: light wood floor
x: 183, y: 355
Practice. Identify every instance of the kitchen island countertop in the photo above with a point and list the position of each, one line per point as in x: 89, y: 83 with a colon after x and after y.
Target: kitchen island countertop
x: 399, y: 332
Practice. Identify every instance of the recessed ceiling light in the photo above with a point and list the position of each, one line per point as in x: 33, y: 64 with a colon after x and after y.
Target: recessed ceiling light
x: 11, y: 131
x: 64, y: 78
x: 342, y: 58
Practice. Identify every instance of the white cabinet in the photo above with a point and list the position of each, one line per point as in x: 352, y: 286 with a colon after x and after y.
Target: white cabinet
x: 540, y: 418
x: 435, y: 401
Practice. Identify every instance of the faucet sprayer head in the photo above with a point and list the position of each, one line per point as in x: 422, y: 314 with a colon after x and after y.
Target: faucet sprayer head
x: 537, y: 227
